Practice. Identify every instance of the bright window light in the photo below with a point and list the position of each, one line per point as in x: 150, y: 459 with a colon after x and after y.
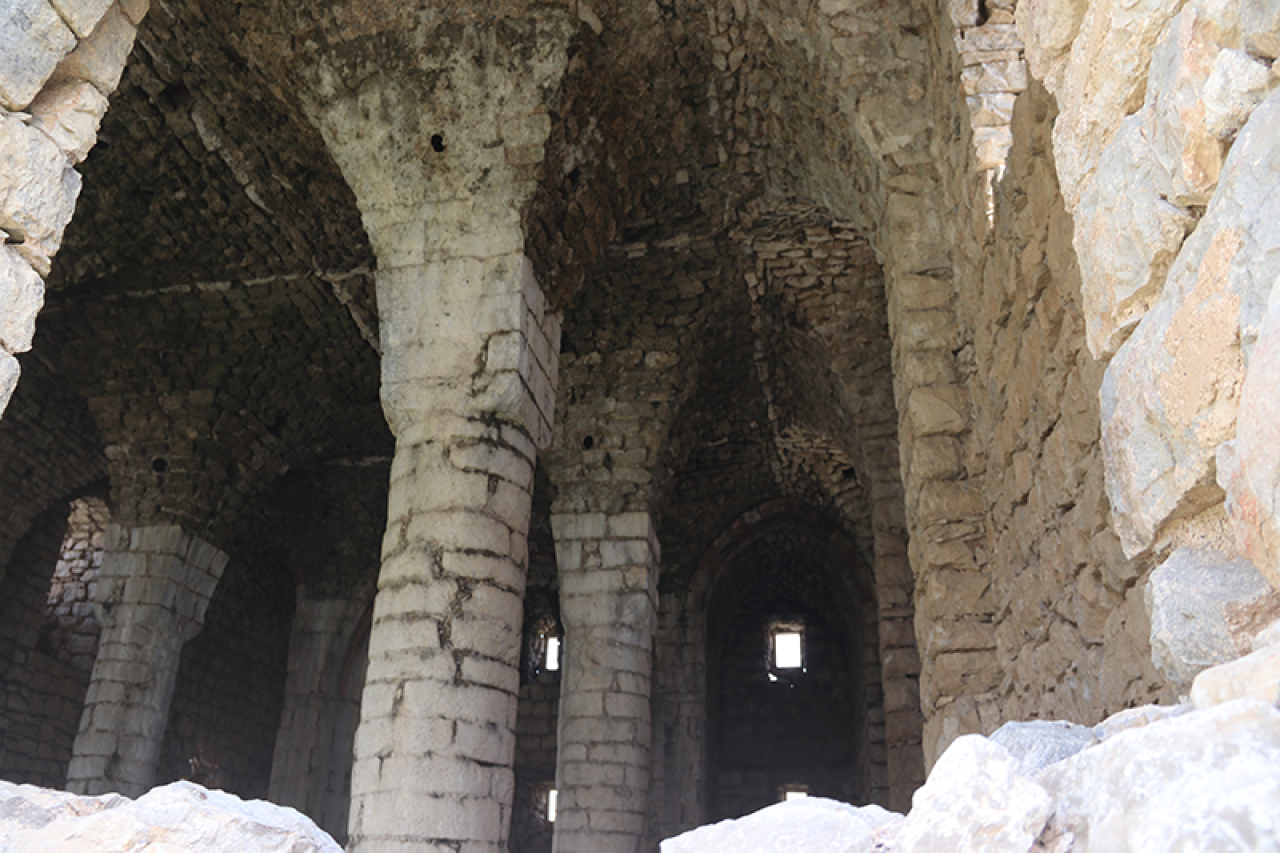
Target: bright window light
x: 788, y: 796
x: 786, y: 650
x: 551, y: 805
x: 553, y: 656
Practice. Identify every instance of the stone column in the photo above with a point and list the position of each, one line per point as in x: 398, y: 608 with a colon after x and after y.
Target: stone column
x: 153, y: 590
x: 608, y: 603
x: 469, y: 360
x: 317, y: 723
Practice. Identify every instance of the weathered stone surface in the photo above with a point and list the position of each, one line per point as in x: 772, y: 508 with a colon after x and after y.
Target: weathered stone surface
x: 21, y: 296
x: 82, y: 15
x: 69, y: 113
x: 975, y: 800
x: 9, y: 373
x: 1127, y: 235
x: 1200, y: 781
x: 1248, y: 466
x: 1170, y: 395
x: 1237, y: 84
x: 100, y: 58
x: 1102, y: 81
x: 180, y: 816
x: 1048, y: 27
x: 33, y: 40
x: 1254, y: 676
x: 812, y: 823
x: 1038, y: 743
x: 1133, y: 718
x: 38, y: 187
x: 1187, y: 599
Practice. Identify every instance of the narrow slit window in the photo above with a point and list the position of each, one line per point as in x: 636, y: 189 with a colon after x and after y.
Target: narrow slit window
x: 551, y: 805
x: 553, y: 655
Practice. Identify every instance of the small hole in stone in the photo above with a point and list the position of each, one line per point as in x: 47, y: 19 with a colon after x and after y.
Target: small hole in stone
x: 588, y: 442
x: 437, y: 143
x: 575, y: 176
x: 159, y: 464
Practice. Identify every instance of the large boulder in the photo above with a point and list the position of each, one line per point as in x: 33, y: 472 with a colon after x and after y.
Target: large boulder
x: 1036, y: 744
x: 975, y: 801
x: 811, y: 823
x: 1189, y: 600
x: 181, y: 816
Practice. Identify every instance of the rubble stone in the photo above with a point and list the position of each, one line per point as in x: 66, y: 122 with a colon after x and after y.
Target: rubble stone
x: 1038, y: 743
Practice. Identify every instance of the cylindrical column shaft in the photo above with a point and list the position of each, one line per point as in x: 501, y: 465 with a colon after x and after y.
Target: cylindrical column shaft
x: 153, y: 589
x: 608, y: 602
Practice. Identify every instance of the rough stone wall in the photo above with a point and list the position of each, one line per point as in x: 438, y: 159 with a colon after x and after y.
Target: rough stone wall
x: 227, y: 699
x: 42, y: 695
x: 535, y: 762
x: 60, y: 62
x: 70, y: 631
x: 1070, y: 628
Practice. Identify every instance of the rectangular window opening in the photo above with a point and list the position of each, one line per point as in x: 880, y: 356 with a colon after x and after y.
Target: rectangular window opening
x: 553, y: 654
x: 551, y: 805
x: 794, y: 792
x: 787, y: 650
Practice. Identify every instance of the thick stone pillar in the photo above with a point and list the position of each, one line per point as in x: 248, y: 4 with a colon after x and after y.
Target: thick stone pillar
x: 312, y: 759
x: 153, y: 590
x: 608, y: 604
x: 469, y: 360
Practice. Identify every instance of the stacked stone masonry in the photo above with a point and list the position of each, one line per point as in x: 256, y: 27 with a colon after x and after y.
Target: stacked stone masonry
x: 385, y: 340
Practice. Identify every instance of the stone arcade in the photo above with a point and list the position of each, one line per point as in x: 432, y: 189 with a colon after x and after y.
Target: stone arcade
x: 385, y: 347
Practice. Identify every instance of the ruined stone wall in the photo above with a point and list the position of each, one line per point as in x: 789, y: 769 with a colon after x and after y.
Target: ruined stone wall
x: 70, y: 630
x: 227, y: 700
x: 58, y: 63
x: 1070, y: 628
x: 40, y: 695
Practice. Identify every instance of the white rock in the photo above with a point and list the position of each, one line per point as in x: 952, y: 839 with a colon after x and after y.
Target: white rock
x: 1237, y: 83
x: 82, y: 15
x: 1187, y: 598
x: 1048, y: 27
x: 1171, y: 394
x: 975, y: 800
x: 181, y: 816
x: 1133, y: 718
x: 33, y: 40
x: 1267, y: 637
x: 1249, y: 467
x: 1127, y: 235
x: 38, y: 187
x: 1254, y: 676
x: 1038, y: 743
x: 1206, y: 780
x: 101, y: 57
x: 812, y: 823
x: 9, y: 373
x: 21, y: 298
x: 69, y: 113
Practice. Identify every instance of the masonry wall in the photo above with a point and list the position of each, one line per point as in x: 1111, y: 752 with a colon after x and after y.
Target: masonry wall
x: 40, y: 695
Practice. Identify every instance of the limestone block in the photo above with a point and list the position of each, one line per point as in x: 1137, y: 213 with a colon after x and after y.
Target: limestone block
x: 1267, y: 637
x: 1170, y: 395
x: 21, y: 298
x: 1047, y: 28
x: 1254, y: 676
x: 9, y: 372
x: 1249, y: 467
x: 136, y: 9
x: 1188, y: 598
x: 1237, y: 84
x: 1104, y: 80
x: 812, y: 823
x: 180, y: 816
x: 82, y: 15
x: 33, y: 40
x: 100, y: 58
x: 1038, y: 743
x: 1127, y: 235
x: 69, y: 113
x: 38, y: 187
x: 1199, y: 781
x: 991, y: 109
x: 975, y: 800
x: 991, y: 146
x: 1133, y: 718
x: 1007, y: 76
